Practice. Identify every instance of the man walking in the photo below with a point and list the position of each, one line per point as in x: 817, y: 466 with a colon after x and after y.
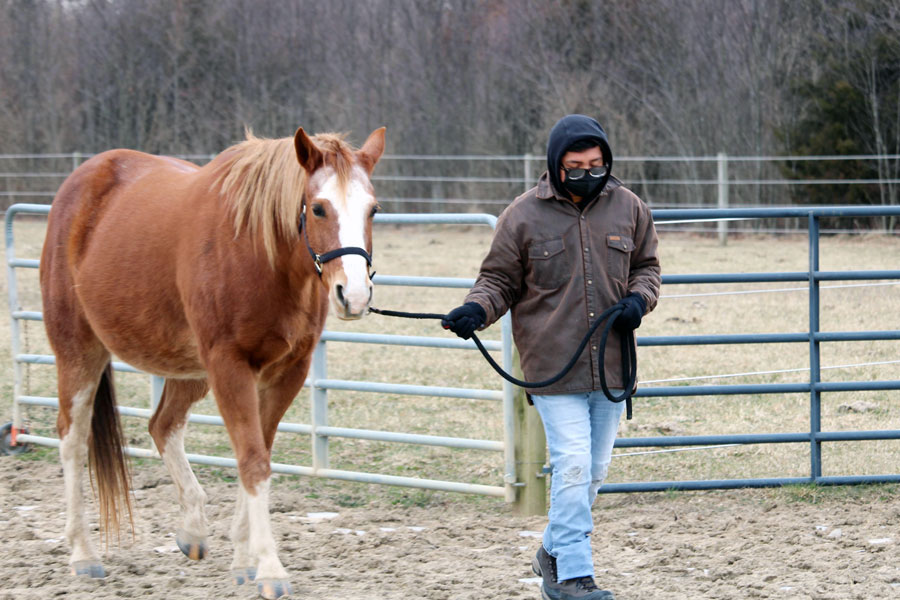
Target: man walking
x: 562, y: 253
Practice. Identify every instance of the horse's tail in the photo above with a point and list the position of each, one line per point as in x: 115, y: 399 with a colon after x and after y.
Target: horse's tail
x: 106, y: 458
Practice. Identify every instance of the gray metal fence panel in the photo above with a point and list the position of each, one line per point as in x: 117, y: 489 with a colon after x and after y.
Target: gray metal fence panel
x: 814, y: 387
x: 318, y: 429
x: 319, y: 382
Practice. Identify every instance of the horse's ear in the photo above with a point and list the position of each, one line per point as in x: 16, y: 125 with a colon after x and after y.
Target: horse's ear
x: 372, y: 150
x: 308, y: 154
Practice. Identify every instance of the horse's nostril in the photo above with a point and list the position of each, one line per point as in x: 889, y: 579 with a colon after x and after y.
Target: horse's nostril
x: 339, y: 292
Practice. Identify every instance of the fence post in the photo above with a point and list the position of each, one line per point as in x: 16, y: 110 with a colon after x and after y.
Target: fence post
x: 157, y: 385
x: 510, y: 469
x: 531, y: 454
x: 526, y: 170
x: 319, y: 408
x: 15, y: 331
x: 815, y: 374
x: 722, y: 160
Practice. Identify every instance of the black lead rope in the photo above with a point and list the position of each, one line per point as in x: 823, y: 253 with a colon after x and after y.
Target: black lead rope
x: 629, y: 355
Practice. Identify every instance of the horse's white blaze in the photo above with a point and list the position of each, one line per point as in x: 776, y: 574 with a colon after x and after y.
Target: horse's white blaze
x: 73, y: 454
x: 190, y: 495
x: 262, y: 544
x: 352, y: 206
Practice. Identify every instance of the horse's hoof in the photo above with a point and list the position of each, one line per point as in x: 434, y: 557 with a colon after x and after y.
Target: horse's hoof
x: 242, y: 576
x: 88, y: 568
x: 271, y: 589
x: 194, y: 547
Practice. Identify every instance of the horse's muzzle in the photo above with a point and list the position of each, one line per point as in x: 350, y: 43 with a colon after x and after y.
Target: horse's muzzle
x: 348, y: 305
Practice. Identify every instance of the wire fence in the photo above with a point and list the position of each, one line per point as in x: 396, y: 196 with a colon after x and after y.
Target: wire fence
x: 410, y: 183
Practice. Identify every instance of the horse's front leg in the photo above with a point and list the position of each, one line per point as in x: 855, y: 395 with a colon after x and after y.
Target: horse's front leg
x: 234, y: 386
x: 275, y: 397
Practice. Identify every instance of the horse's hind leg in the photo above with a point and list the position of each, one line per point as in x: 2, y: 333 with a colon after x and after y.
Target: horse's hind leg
x: 77, y: 382
x: 167, y: 427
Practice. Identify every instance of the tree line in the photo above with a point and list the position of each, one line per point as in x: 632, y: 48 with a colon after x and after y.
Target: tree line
x: 664, y: 77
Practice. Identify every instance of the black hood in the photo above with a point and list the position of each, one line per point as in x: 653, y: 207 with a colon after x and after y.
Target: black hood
x: 567, y: 131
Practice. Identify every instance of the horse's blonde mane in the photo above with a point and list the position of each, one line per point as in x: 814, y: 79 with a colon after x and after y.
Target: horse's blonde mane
x: 264, y: 184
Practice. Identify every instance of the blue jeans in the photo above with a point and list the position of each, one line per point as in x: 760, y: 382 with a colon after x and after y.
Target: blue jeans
x: 581, y: 430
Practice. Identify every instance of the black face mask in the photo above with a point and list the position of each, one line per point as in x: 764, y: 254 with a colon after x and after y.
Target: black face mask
x: 586, y: 187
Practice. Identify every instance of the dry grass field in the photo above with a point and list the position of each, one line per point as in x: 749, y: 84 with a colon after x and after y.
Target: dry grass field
x: 797, y: 542
x: 683, y: 310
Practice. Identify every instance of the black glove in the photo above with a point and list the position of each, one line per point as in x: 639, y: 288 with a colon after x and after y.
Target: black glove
x: 464, y: 320
x: 633, y: 308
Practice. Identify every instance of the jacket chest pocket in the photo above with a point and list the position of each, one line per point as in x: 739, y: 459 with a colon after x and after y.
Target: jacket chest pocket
x: 618, y: 256
x: 548, y: 263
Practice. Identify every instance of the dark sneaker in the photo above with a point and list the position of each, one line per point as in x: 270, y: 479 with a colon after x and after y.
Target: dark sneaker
x: 579, y: 588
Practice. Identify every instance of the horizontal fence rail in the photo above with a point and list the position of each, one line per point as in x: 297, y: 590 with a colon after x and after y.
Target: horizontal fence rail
x: 319, y: 383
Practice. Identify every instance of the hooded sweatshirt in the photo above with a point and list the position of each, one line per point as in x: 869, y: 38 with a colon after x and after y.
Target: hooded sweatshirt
x: 567, y: 131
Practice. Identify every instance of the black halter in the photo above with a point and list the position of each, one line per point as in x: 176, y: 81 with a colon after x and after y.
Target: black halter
x: 321, y: 259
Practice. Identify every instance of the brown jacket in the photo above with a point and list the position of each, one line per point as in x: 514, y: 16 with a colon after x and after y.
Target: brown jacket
x: 557, y: 268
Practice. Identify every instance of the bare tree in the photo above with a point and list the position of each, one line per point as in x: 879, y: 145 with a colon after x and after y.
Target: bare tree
x: 665, y: 77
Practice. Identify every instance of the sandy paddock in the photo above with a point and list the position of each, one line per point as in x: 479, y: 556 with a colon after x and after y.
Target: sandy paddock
x: 737, y: 544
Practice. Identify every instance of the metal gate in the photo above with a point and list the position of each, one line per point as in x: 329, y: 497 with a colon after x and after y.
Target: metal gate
x: 320, y: 384
x: 317, y: 381
x: 813, y: 338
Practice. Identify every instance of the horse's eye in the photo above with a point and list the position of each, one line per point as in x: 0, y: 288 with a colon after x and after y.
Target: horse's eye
x: 318, y: 210
x: 375, y: 209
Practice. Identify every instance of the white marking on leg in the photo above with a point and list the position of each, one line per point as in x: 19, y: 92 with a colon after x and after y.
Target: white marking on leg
x: 73, y: 449
x: 262, y: 544
x: 240, y: 533
x: 190, y: 495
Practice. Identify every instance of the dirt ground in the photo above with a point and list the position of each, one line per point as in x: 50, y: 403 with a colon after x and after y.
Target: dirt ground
x: 735, y: 544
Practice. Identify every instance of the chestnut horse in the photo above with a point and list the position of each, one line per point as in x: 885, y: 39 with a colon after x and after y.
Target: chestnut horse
x: 212, y: 277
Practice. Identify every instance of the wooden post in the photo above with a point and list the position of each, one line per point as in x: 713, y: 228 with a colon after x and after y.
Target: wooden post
x: 531, y: 454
